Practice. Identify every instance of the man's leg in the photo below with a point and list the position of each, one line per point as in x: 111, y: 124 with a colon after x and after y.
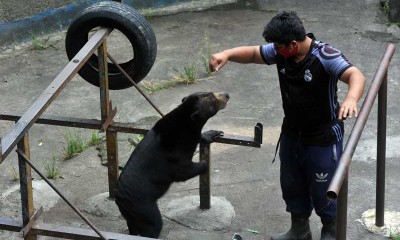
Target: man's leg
x: 321, y: 165
x: 294, y: 190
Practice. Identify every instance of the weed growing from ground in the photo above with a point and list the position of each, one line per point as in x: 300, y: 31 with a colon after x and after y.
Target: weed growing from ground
x: 41, y: 44
x: 95, y: 138
x: 188, y: 76
x: 75, y: 144
x: 52, y: 171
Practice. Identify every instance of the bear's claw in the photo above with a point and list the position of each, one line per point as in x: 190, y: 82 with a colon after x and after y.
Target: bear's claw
x: 210, y: 136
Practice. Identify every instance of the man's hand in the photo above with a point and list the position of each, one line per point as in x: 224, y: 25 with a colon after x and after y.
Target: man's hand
x: 356, y: 81
x: 217, y: 61
x: 348, y: 108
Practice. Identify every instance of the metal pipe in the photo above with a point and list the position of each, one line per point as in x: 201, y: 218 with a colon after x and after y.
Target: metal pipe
x: 204, y: 188
x: 358, y: 127
x: 134, y: 84
x: 106, y: 108
x: 254, y: 141
x: 26, y: 159
x: 25, y: 183
x: 52, y: 91
x: 341, y: 211
x: 381, y: 155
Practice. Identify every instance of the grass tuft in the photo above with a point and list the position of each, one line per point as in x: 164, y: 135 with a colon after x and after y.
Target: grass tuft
x: 52, y: 171
x: 75, y: 144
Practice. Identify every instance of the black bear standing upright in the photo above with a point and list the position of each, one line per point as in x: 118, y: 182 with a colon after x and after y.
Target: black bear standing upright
x: 165, y: 156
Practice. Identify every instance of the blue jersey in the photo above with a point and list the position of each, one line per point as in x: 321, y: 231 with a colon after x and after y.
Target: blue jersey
x: 309, y: 91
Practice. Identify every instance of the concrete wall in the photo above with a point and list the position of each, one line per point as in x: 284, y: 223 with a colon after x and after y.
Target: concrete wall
x: 22, y: 20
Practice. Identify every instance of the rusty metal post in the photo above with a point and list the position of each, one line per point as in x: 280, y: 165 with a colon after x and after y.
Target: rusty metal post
x: 381, y: 155
x: 340, y: 177
x: 205, y: 197
x: 341, y: 210
x: 25, y: 180
x: 358, y: 127
x: 111, y: 136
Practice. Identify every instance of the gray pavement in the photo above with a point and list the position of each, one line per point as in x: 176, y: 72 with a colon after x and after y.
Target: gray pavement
x: 244, y: 176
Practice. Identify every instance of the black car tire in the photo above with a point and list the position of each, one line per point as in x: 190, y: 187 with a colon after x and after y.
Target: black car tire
x: 130, y: 23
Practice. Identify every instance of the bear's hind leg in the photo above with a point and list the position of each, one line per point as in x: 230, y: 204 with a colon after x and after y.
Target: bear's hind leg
x: 150, y: 223
x: 124, y: 207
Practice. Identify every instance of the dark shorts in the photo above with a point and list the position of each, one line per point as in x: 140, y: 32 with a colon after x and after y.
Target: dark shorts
x: 305, y: 174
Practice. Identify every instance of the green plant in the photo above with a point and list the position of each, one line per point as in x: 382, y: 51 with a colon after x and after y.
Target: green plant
x: 207, y: 48
x: 188, y: 75
x: 52, y: 172
x: 41, y: 44
x: 395, y: 237
x: 205, y: 64
x: 386, y: 8
x: 139, y: 138
x: 151, y: 86
x: 95, y: 138
x: 75, y: 144
x: 147, y: 13
x: 135, y: 141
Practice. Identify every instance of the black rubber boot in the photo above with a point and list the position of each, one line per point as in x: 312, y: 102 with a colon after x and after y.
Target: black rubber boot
x: 328, y: 231
x: 300, y: 229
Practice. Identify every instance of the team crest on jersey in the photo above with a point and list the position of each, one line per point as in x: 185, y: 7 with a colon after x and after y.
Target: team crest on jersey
x: 307, y: 76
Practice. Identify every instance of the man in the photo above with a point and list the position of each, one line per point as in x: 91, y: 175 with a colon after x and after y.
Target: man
x: 312, y: 131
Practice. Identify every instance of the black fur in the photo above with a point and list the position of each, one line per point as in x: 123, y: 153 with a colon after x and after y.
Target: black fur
x: 165, y: 156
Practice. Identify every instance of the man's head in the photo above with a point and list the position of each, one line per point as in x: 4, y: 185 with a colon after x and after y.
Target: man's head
x: 285, y: 30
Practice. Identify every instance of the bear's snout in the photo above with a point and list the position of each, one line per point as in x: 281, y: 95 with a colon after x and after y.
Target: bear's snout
x: 222, y: 99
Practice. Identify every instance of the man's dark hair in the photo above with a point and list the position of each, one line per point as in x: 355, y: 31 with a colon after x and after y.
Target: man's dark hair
x: 284, y: 28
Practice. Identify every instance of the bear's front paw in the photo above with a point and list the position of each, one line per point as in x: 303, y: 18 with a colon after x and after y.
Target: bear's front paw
x: 210, y: 136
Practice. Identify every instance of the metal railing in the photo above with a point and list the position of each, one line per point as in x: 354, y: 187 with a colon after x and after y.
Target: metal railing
x: 338, y: 188
x: 18, y: 137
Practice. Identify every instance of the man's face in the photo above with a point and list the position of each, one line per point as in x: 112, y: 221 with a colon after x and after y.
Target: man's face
x: 286, y: 51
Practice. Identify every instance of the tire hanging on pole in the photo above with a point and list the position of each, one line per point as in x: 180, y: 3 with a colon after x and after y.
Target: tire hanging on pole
x: 130, y: 23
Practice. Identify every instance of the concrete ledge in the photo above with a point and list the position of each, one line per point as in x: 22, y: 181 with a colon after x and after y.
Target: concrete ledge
x: 51, y: 20
x: 58, y: 19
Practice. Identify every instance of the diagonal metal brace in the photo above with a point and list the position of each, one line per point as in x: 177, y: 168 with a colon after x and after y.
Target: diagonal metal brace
x: 32, y: 221
x: 110, y: 118
x: 26, y: 159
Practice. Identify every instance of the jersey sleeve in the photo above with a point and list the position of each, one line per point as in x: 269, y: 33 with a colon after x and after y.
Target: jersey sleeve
x: 268, y: 53
x: 335, y: 63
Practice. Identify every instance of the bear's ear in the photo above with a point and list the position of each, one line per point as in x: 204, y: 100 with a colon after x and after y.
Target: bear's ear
x: 183, y: 99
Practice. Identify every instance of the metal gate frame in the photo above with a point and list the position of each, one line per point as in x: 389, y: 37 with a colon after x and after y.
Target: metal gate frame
x: 19, y: 137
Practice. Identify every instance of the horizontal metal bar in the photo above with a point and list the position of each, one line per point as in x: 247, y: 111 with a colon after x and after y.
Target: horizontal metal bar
x: 79, y: 123
x: 10, y: 224
x: 131, y: 128
x: 51, y: 230
x: 237, y: 140
x: 10, y: 140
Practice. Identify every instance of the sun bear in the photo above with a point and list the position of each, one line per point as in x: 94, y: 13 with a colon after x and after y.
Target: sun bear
x: 165, y: 156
